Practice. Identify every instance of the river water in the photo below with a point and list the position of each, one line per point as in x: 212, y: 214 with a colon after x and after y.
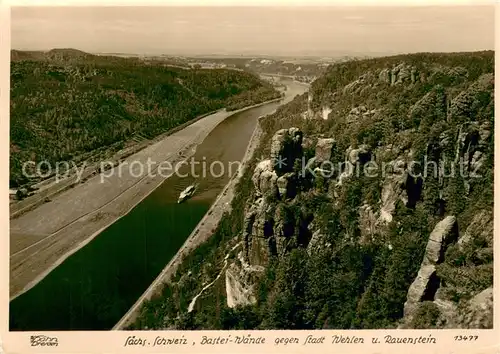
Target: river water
x: 96, y: 286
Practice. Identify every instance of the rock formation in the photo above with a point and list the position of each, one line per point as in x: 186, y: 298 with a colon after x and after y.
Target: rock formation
x: 479, y: 312
x: 356, y: 86
x: 342, y: 245
x: 286, y: 147
x: 265, y: 232
x: 287, y: 185
x: 324, y: 149
x: 359, y: 155
x: 240, y: 282
x: 399, y: 74
x: 481, y: 227
x: 265, y: 178
x: 325, y: 112
x: 399, y: 184
x: 367, y: 223
x: 427, y: 282
x: 473, y: 313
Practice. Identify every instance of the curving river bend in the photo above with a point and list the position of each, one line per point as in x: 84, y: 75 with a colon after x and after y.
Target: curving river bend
x: 94, y: 288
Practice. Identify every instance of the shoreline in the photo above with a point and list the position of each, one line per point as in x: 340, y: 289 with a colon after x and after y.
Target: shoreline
x: 201, y: 233
x: 129, y: 198
x: 32, y: 202
x: 87, y: 240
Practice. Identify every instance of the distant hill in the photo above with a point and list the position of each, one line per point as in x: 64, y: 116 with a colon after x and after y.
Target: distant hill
x: 53, y: 54
x: 68, y: 105
x: 67, y: 53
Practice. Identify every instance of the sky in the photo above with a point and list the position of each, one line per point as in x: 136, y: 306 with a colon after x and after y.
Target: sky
x: 286, y: 31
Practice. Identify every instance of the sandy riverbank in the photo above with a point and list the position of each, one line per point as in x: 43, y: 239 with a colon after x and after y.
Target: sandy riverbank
x: 51, y: 187
x: 44, y: 237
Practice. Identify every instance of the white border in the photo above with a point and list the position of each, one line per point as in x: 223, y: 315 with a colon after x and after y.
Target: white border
x: 112, y: 341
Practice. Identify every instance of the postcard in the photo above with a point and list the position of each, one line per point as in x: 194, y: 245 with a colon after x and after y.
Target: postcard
x: 248, y: 177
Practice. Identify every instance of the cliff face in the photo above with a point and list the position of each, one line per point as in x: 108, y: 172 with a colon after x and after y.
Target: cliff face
x: 370, y: 204
x: 399, y: 172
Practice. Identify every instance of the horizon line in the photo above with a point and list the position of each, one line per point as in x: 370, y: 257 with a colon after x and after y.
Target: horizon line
x: 252, y: 55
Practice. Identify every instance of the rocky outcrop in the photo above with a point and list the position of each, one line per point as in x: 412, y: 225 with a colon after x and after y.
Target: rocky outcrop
x: 248, y: 225
x: 356, y: 85
x: 401, y: 185
x: 472, y: 309
x: 480, y: 228
x: 258, y: 229
x: 392, y: 191
x: 448, y: 312
x: 286, y: 146
x: 475, y: 313
x: 355, y: 158
x: 459, y: 151
x: 240, y: 282
x: 265, y: 232
x: 472, y: 143
x: 399, y: 74
x: 367, y: 223
x: 269, y: 228
x: 385, y: 75
x: 284, y: 230
x: 287, y: 185
x: 273, y: 233
x: 237, y: 292
x: 324, y: 150
x: 484, y: 131
x: 357, y: 114
x: 479, y: 312
x: 425, y: 286
x: 444, y: 233
x: 467, y: 141
x: 319, y: 241
x: 403, y: 73
x: 325, y: 112
x: 265, y: 179
x: 360, y: 155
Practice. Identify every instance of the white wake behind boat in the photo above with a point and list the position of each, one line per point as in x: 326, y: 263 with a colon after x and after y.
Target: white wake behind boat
x: 186, y: 193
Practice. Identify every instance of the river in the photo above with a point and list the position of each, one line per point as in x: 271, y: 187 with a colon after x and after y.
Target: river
x: 94, y: 287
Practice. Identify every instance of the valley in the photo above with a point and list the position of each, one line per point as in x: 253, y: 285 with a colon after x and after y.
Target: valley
x: 46, y: 239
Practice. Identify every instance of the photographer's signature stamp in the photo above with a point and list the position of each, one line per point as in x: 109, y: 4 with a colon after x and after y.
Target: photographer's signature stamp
x: 43, y: 341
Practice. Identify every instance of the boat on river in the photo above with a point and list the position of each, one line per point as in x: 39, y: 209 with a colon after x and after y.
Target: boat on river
x: 186, y: 193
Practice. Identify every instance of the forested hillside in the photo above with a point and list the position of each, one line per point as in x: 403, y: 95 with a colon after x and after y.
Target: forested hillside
x: 409, y: 245
x: 67, y: 105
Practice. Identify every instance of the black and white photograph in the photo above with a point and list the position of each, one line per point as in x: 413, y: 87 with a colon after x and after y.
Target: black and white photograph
x: 251, y: 168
